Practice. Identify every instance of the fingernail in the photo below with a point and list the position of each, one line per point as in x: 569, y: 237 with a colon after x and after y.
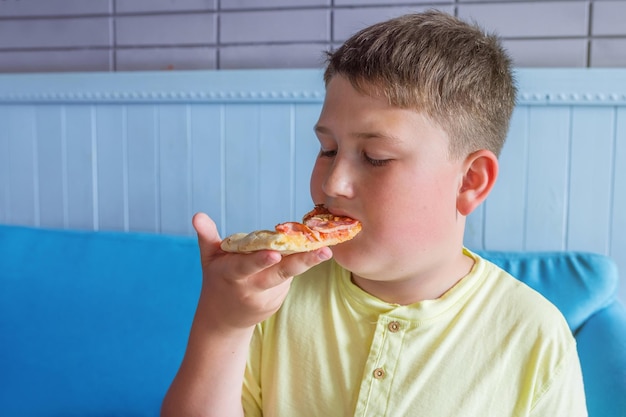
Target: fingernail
x: 274, y: 258
x: 324, y: 254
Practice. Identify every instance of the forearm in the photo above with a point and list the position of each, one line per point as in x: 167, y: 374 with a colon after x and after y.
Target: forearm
x: 210, y: 378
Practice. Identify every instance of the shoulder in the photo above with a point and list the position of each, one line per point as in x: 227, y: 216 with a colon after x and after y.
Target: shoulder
x: 525, y: 324
x: 509, y: 302
x: 512, y: 293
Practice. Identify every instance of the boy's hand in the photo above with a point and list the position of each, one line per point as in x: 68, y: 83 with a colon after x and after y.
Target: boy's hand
x: 241, y: 290
x: 238, y: 291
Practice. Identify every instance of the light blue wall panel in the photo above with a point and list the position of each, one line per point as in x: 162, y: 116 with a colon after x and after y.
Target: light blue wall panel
x: 111, y: 167
x: 142, y: 159
x: 305, y: 152
x: 145, y: 151
x: 81, y: 167
x: 276, y: 164
x: 504, y: 211
x: 52, y: 177
x: 207, y: 161
x: 475, y: 228
x: 5, y: 170
x: 547, y: 178
x: 618, y: 218
x: 593, y: 131
x: 23, y: 180
x: 174, y: 144
x: 241, y: 161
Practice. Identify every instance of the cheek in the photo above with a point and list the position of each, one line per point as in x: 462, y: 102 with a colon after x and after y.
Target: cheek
x: 412, y: 210
x: 315, y: 185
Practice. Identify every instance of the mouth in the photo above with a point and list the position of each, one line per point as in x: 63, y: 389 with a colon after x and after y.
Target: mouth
x: 340, y: 213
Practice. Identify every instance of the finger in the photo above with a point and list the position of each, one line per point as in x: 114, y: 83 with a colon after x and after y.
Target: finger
x: 244, y: 265
x: 208, y: 236
x: 293, y: 265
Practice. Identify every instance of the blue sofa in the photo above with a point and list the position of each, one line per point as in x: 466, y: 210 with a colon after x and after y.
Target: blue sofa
x: 95, y: 323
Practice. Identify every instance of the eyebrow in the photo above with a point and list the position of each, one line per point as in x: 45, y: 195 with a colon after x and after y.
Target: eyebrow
x: 360, y: 135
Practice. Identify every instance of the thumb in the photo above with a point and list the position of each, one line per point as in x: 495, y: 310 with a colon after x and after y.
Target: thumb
x: 208, y: 238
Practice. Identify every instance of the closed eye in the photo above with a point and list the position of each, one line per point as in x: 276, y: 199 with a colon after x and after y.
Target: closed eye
x: 327, y: 154
x: 376, y: 162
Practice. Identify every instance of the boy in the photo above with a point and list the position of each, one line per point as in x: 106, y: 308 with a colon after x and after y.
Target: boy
x: 403, y: 321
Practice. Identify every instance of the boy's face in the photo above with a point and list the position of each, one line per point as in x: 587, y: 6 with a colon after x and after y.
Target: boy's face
x: 389, y: 168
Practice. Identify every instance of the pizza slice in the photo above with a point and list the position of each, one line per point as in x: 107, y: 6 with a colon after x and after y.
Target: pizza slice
x: 319, y: 228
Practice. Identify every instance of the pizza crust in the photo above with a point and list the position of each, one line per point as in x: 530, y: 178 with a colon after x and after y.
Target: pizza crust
x: 280, y: 242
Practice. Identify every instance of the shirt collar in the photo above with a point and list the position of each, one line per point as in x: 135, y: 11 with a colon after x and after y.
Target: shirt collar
x: 426, y: 310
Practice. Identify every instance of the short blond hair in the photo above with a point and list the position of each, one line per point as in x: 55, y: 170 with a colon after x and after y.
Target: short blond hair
x: 460, y: 76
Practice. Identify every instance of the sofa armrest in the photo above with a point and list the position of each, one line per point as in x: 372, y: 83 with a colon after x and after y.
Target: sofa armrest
x: 602, y: 351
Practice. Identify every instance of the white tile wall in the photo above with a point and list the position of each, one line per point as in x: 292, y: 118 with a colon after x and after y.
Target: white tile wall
x: 268, y: 4
x: 608, y: 53
x: 382, y: 2
x: 56, y: 60
x: 349, y: 20
x: 609, y: 18
x: 154, y: 6
x: 308, y: 55
x: 55, y: 33
x: 530, y: 19
x: 260, y: 27
x: 127, y: 35
x: 160, y: 58
x: 550, y: 53
x: 174, y: 29
x: 14, y: 8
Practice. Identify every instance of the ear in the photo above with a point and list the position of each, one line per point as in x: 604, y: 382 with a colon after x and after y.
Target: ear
x: 480, y: 170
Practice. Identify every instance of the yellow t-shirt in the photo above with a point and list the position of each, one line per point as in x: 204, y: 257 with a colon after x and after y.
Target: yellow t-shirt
x: 490, y: 347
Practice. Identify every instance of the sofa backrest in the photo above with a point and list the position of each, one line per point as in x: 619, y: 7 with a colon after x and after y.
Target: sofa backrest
x: 92, y: 323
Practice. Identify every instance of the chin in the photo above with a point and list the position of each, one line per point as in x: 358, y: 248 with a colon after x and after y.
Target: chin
x: 351, y: 256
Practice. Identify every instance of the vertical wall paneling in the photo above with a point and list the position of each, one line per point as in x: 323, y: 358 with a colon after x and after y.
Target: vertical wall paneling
x: 504, y: 212
x: 547, y: 177
x: 207, y: 161
x: 80, y: 157
x: 276, y: 164
x: 618, y: 219
x: 305, y: 152
x: 4, y: 166
x: 23, y: 184
x: 591, y: 178
x: 142, y: 158
x: 112, y: 167
x: 51, y: 160
x: 243, y: 198
x: 474, y: 228
x: 122, y: 152
x: 174, y: 144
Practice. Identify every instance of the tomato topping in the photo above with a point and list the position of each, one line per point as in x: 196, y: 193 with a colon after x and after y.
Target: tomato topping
x: 318, y: 224
x: 295, y: 228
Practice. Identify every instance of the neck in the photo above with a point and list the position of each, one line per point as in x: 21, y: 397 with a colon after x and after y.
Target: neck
x: 428, y: 285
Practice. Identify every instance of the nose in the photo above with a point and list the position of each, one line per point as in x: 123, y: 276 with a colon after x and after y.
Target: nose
x: 339, y: 179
